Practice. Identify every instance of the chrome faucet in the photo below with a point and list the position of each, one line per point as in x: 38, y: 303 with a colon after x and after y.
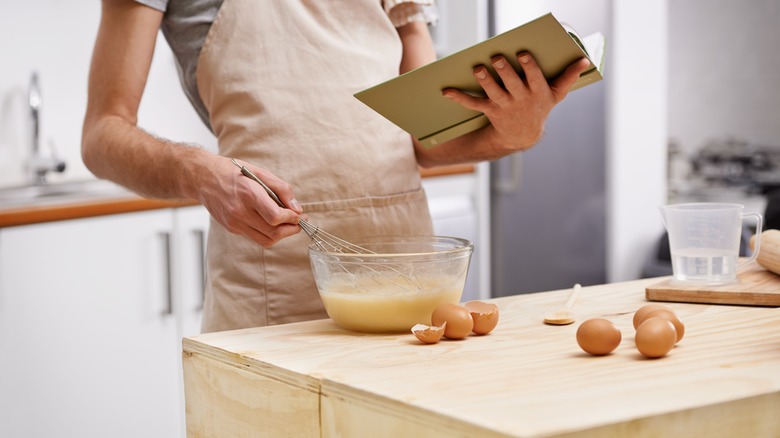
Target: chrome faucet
x: 39, y: 165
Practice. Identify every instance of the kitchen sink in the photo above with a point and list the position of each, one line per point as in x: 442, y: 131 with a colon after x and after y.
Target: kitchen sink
x: 59, y: 192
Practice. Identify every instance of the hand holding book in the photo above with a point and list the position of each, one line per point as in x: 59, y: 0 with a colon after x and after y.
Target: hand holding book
x: 415, y: 103
x: 526, y: 96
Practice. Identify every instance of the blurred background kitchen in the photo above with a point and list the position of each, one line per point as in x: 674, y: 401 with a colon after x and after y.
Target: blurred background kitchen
x: 92, y: 310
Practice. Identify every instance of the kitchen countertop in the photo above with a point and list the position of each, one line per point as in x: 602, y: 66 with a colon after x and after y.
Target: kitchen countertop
x: 525, y: 379
x: 77, y: 205
x: 112, y: 199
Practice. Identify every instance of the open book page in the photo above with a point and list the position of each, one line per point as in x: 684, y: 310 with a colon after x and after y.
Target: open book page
x: 593, y: 45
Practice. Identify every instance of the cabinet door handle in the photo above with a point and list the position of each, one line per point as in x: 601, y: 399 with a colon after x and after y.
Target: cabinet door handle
x: 168, y: 309
x: 506, y: 185
x: 200, y: 236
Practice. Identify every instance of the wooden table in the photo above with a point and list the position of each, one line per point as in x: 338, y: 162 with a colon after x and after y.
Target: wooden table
x: 525, y: 379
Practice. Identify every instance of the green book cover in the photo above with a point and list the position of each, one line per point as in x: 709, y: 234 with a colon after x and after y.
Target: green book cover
x: 413, y: 101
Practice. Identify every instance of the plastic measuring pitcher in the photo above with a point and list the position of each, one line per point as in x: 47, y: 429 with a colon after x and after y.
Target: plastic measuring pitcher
x: 704, y: 241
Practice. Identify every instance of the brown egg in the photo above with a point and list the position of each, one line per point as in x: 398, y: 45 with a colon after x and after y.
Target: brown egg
x: 428, y: 334
x: 679, y: 327
x: 458, y: 319
x: 639, y: 316
x: 655, y: 337
x: 485, y: 316
x: 598, y: 336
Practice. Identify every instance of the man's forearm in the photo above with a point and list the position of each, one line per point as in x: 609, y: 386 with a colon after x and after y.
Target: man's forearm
x: 115, y: 149
x: 473, y: 147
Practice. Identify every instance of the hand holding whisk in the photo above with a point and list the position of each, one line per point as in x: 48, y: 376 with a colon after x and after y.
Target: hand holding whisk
x: 327, y: 242
x: 324, y: 240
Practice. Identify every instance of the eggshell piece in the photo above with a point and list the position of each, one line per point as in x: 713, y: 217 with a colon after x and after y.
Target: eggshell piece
x: 429, y: 334
x: 639, y: 315
x: 655, y: 337
x: 679, y: 327
x: 458, y: 319
x: 485, y: 316
x: 598, y: 336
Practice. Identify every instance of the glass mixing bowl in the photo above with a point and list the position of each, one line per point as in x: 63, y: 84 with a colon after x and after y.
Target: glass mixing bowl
x: 395, y: 287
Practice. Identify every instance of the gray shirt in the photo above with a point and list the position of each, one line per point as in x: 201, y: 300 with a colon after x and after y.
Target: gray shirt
x: 186, y: 24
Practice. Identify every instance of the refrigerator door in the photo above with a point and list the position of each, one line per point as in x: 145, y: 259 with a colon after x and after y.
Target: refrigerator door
x: 548, y: 213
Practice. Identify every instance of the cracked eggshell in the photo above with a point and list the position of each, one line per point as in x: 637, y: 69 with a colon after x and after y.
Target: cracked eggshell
x: 485, y: 316
x: 429, y: 334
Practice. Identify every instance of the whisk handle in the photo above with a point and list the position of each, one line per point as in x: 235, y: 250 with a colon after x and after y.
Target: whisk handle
x: 248, y: 173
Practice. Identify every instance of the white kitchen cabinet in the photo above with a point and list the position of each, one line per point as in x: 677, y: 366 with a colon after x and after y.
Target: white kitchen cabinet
x: 189, y: 246
x: 91, y: 317
x: 189, y: 253
x: 459, y: 206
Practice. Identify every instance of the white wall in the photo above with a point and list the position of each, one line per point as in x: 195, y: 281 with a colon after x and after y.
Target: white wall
x: 637, y: 134
x: 513, y: 13
x: 56, y: 39
x: 725, y: 60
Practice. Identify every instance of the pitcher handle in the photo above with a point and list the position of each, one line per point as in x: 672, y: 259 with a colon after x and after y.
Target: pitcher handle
x: 757, y: 245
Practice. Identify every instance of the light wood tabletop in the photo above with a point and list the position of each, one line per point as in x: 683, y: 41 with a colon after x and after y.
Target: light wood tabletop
x: 525, y: 379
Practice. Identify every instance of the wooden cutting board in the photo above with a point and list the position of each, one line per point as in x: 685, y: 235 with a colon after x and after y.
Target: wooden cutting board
x: 755, y: 287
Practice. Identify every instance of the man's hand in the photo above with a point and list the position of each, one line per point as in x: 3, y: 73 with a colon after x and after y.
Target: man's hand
x: 518, y: 110
x: 243, y: 207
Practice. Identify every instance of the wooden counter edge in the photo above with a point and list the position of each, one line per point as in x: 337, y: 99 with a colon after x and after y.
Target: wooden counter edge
x: 246, y: 396
x: 192, y: 347
x: 752, y: 416
x: 29, y: 215
x: 455, y: 169
x: 52, y: 212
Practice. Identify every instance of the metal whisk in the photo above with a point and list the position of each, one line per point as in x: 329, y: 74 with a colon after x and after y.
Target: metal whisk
x: 325, y: 241
x: 329, y: 243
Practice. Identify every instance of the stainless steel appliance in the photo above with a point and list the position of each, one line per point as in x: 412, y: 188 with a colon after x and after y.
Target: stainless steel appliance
x: 548, y: 218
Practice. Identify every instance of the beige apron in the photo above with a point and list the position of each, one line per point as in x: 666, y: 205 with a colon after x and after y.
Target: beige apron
x: 277, y: 78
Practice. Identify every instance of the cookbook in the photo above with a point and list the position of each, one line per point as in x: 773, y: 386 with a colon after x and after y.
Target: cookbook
x: 413, y: 101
